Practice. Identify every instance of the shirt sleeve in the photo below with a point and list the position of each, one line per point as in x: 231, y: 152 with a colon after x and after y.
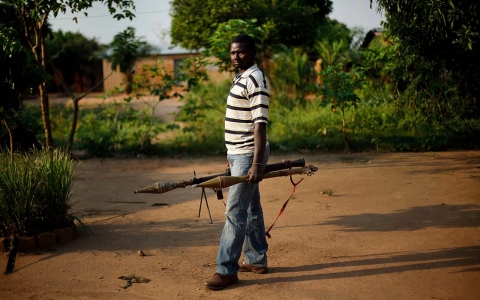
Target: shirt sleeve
x: 258, y: 95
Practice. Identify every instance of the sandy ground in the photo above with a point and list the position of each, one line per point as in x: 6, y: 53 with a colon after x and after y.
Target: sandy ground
x: 398, y: 226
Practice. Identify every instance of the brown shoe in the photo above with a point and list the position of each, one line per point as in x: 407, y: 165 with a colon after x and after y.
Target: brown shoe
x: 219, y: 281
x: 249, y: 268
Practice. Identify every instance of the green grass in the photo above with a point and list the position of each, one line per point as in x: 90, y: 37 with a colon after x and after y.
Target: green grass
x: 327, y: 191
x: 35, y: 191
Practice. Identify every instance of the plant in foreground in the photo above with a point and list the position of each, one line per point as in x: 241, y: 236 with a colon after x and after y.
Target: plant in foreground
x: 35, y: 192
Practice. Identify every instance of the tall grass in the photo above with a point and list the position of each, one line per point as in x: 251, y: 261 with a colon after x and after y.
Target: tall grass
x: 35, y: 191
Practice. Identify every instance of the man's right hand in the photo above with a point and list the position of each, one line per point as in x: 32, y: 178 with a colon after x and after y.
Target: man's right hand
x: 255, y: 174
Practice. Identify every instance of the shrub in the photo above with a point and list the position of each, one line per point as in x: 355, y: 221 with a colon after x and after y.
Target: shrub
x: 35, y: 191
x: 108, y: 129
x: 199, y: 128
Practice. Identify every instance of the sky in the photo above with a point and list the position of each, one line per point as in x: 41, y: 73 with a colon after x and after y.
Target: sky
x: 153, y: 20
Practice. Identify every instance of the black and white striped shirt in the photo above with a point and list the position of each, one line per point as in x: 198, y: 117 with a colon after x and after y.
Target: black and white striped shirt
x: 247, y: 104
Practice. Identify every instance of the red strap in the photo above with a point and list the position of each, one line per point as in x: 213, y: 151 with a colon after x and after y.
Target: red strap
x: 283, y: 207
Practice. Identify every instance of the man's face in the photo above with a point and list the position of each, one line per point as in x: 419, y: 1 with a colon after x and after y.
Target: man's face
x: 242, y: 57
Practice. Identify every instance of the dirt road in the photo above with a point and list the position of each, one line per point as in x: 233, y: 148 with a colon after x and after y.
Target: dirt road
x: 398, y: 226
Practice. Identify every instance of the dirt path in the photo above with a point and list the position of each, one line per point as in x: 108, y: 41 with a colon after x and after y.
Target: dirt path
x: 166, y: 109
x: 398, y: 226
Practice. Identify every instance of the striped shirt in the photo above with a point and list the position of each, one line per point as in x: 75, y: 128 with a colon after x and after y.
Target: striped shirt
x: 247, y: 104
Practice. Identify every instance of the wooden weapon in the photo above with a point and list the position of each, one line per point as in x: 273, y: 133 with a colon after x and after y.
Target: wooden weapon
x: 221, y: 182
x: 163, y: 187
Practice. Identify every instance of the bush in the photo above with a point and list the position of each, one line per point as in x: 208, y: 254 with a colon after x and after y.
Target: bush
x: 107, y: 130
x: 200, y: 125
x: 35, y: 191
x: 380, y: 122
x: 24, y: 125
x: 382, y: 127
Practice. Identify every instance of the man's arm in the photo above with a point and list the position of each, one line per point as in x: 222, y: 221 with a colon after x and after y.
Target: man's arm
x: 260, y: 140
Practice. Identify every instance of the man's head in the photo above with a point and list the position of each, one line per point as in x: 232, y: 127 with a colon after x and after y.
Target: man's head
x: 242, y: 52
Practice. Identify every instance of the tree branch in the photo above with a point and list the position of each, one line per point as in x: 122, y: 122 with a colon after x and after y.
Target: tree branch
x: 94, y: 87
x: 25, y: 26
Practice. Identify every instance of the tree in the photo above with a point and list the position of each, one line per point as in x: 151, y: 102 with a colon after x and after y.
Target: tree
x: 330, y: 30
x: 34, y: 16
x: 333, y: 43
x: 126, y: 50
x: 222, y: 36
x: 292, y: 74
x: 339, y: 88
x: 332, y: 53
x: 72, y: 53
x: 294, y: 23
x: 19, y: 74
x: 445, y: 34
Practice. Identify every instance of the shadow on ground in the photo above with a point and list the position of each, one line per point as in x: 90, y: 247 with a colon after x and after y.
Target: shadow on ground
x: 414, y: 218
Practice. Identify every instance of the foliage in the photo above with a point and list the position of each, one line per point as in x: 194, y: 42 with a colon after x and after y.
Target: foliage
x: 126, y: 50
x: 332, y: 53
x: 411, y: 82
x: 151, y: 86
x: 118, y: 129
x: 331, y: 30
x: 292, y: 74
x: 339, y: 88
x: 333, y: 43
x: 72, y: 53
x: 413, y: 97
x: 295, y: 22
x: 443, y: 34
x: 35, y: 191
x: 222, y: 36
x: 19, y: 74
x: 25, y: 126
x: 381, y: 128
x: 34, y: 16
x: 107, y: 130
x: 201, y: 120
x: 377, y: 124
x: 192, y: 70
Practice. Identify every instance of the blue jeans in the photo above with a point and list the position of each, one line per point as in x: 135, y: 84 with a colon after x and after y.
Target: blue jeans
x: 244, y: 224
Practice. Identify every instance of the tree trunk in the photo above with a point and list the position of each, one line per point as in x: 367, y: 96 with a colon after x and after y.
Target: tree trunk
x: 42, y: 88
x: 442, y: 115
x: 128, y: 82
x: 44, y: 103
x: 73, y: 129
x: 76, y: 107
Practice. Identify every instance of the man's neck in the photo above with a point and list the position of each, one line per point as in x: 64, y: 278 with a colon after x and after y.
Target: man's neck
x: 246, y: 68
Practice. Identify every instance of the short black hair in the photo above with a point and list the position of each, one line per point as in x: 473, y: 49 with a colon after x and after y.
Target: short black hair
x: 245, y: 38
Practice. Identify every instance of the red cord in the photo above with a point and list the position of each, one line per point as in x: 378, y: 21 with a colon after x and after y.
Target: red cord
x: 284, y: 205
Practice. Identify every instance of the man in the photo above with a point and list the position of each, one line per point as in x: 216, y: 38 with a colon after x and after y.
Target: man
x: 247, y: 152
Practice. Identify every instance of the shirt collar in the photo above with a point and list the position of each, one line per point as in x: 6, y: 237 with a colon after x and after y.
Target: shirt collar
x: 248, y: 71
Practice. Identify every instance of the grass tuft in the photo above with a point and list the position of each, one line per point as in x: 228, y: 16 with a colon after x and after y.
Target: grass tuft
x: 327, y: 191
